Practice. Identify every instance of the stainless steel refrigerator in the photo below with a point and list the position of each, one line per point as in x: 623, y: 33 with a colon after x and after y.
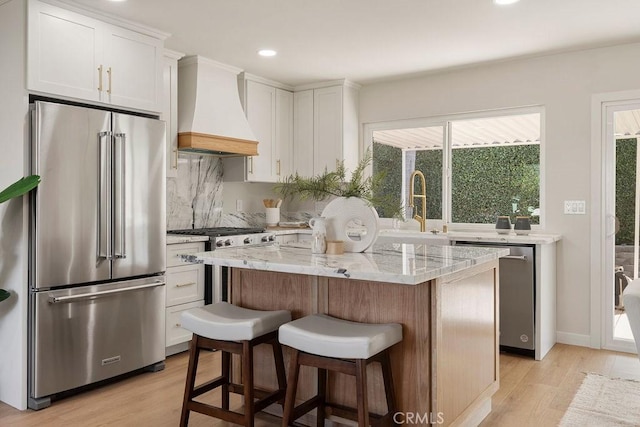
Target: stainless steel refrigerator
x: 97, y: 247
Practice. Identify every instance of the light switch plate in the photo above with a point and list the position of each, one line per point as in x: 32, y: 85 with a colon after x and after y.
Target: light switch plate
x: 575, y: 207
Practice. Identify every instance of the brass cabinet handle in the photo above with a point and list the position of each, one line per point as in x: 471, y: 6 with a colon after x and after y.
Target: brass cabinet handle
x: 278, y: 167
x: 182, y: 285
x: 179, y: 325
x: 250, y: 164
x: 109, y: 75
x: 100, y: 78
x: 175, y: 157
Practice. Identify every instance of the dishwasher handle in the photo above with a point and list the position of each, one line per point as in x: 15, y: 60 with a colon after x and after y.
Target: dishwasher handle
x: 91, y: 295
x: 518, y: 257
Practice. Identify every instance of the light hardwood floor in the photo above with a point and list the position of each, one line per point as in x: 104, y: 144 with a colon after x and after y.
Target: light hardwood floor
x: 531, y: 393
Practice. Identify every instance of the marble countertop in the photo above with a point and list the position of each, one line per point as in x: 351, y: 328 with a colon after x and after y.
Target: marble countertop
x: 173, y: 239
x: 414, y: 236
x: 408, y: 264
x: 511, y: 237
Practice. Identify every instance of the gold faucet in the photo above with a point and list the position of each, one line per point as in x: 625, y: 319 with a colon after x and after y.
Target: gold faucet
x: 421, y: 219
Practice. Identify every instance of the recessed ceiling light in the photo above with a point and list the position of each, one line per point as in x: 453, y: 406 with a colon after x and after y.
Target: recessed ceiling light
x: 267, y: 52
x: 503, y: 2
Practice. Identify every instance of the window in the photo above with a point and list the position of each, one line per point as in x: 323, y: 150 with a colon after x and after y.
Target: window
x: 475, y: 168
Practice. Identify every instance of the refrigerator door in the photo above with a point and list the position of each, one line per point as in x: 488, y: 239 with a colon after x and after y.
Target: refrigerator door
x: 71, y: 210
x: 90, y: 333
x: 139, y: 196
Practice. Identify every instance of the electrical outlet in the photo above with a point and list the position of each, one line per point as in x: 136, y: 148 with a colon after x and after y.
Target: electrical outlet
x: 239, y: 205
x: 575, y: 207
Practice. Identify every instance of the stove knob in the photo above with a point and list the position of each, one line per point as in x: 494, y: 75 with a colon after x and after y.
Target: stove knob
x: 219, y: 244
x: 265, y: 239
x: 227, y: 242
x: 272, y: 238
x: 247, y: 241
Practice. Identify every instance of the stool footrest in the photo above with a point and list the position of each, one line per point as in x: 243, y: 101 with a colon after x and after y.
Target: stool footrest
x: 208, y: 386
x: 306, y: 406
x: 212, y: 411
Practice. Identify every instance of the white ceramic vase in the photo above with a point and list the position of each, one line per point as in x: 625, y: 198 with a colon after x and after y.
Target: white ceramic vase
x: 353, y: 221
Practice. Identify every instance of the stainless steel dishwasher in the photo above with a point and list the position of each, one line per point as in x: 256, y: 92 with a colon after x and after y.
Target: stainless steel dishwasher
x: 517, y: 296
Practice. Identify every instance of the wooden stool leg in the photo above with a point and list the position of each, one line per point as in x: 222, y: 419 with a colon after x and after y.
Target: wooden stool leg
x: 226, y: 372
x: 292, y: 386
x: 280, y: 372
x: 388, y: 384
x: 247, y: 381
x: 194, y: 352
x: 361, y: 393
x: 322, y: 393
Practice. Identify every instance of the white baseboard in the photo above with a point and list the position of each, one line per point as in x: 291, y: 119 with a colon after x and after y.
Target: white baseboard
x: 573, y: 339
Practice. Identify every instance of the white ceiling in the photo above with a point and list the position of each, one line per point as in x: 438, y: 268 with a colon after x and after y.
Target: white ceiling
x: 372, y: 40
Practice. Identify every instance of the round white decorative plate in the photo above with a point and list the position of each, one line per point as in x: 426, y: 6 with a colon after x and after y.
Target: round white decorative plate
x: 353, y: 221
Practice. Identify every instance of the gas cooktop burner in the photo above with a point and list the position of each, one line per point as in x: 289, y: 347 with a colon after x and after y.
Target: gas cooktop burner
x: 217, y: 231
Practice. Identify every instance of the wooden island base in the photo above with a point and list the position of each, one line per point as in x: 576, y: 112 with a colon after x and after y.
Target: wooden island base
x: 446, y: 368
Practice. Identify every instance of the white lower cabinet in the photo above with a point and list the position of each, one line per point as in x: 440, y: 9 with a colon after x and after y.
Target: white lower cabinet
x: 175, y: 334
x: 184, y: 290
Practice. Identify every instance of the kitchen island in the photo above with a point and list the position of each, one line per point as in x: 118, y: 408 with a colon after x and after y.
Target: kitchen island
x: 445, y: 369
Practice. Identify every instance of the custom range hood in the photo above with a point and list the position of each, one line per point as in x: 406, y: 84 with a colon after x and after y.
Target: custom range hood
x: 210, y: 117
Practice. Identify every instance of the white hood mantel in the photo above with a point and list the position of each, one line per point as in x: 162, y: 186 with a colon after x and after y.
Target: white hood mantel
x: 210, y: 117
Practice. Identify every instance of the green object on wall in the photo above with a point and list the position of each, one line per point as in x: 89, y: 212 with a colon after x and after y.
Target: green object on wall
x: 17, y: 189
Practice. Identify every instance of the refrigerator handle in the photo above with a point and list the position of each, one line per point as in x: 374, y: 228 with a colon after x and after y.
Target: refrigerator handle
x: 92, y: 295
x: 122, y: 210
x: 104, y: 205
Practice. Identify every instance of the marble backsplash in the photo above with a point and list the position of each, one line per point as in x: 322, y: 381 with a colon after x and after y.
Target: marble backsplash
x: 195, y: 198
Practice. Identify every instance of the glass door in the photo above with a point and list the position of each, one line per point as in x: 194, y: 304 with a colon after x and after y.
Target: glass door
x: 622, y: 204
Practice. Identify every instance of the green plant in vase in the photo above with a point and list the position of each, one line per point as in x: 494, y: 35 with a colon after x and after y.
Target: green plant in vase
x: 335, y: 183
x: 17, y: 189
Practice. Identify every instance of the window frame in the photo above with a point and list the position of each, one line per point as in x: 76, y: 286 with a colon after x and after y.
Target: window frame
x: 446, y: 121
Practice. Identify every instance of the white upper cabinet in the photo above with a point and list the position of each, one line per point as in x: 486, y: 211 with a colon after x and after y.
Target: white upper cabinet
x: 284, y: 134
x: 80, y: 57
x: 269, y: 111
x: 326, y: 128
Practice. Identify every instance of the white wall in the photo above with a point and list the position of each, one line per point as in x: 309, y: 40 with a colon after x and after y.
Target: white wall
x: 564, y: 85
x: 13, y: 219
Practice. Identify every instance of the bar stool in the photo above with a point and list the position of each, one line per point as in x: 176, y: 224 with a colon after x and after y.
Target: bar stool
x: 328, y: 343
x: 233, y: 330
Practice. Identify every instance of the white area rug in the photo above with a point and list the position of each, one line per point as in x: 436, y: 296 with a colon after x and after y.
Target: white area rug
x: 602, y: 401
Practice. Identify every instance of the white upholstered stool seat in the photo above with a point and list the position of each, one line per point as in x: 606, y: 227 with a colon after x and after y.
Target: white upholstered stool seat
x: 228, y: 322
x: 331, y: 337
x: 332, y: 344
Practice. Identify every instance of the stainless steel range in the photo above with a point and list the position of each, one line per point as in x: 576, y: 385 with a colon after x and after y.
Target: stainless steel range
x: 216, y: 277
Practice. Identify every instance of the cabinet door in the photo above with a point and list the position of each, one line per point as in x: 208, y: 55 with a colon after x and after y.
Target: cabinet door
x: 327, y: 128
x: 284, y: 134
x: 184, y: 284
x: 170, y: 111
x: 174, y: 332
x: 133, y: 73
x: 303, y: 132
x: 63, y: 53
x: 260, y: 109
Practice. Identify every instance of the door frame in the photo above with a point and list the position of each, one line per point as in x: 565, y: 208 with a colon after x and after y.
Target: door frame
x: 602, y: 221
